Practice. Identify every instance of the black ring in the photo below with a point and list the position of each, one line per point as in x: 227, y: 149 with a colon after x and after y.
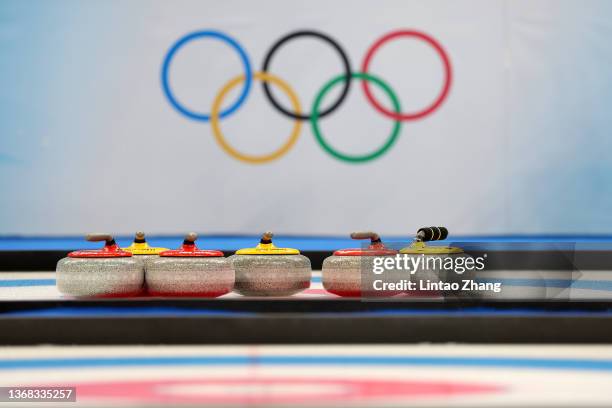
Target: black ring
x: 327, y: 39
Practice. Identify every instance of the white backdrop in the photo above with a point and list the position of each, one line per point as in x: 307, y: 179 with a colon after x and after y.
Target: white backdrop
x: 92, y: 143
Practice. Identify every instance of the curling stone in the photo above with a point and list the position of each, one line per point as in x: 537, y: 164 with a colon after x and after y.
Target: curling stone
x: 141, y: 250
x: 270, y: 271
x: 343, y: 271
x: 190, y: 271
x: 106, y: 272
x: 436, y: 261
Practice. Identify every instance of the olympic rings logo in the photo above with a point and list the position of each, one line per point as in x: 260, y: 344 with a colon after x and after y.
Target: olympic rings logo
x: 295, y: 112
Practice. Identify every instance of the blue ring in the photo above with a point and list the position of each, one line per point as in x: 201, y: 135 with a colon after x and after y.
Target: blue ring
x: 206, y: 34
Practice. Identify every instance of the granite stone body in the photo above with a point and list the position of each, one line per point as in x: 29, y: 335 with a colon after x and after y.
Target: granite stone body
x: 271, y: 275
x: 145, y: 260
x: 83, y: 277
x: 189, y: 276
x: 353, y: 276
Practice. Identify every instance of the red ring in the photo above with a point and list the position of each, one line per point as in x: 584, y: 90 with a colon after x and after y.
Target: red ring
x: 447, y: 72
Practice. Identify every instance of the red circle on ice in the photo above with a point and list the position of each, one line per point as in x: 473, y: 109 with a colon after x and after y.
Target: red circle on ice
x: 274, y: 390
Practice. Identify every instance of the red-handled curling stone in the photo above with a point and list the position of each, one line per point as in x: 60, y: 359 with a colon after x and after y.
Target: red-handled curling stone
x: 108, y: 271
x: 190, y: 271
x: 376, y: 247
x: 350, y: 272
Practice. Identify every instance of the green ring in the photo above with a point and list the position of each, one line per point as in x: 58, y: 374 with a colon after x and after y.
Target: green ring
x: 319, y: 136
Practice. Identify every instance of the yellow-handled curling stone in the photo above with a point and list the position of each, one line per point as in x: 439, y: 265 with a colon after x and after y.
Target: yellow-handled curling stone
x: 141, y: 250
x: 109, y: 271
x: 438, y: 263
x: 343, y: 271
x: 270, y: 271
x: 190, y: 271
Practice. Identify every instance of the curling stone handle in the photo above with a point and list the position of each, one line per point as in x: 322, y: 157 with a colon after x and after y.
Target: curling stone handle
x: 374, y: 237
x: 266, y: 237
x: 96, y: 237
x: 190, y: 238
x: 431, y: 234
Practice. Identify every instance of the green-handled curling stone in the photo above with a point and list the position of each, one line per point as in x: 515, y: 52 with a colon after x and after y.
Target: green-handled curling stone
x: 439, y: 263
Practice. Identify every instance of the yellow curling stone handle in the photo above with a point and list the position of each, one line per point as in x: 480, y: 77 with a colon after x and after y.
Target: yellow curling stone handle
x: 141, y: 247
x: 266, y: 247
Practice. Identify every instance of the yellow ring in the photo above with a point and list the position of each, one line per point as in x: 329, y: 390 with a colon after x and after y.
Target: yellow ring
x: 216, y: 108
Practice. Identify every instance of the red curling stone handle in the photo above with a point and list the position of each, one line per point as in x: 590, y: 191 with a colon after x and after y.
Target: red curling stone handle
x: 374, y: 237
x: 110, y: 249
x: 99, y: 237
x: 190, y: 238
